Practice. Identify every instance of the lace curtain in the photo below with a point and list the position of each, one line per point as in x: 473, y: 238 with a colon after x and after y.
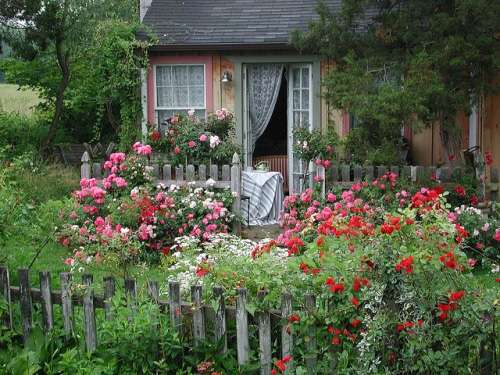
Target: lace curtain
x: 264, y: 81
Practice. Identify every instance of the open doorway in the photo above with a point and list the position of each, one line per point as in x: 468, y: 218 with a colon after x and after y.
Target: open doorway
x: 272, y: 145
x: 274, y: 139
x: 277, y: 97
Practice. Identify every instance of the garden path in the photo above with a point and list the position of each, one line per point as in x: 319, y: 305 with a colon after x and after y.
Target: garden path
x: 257, y: 233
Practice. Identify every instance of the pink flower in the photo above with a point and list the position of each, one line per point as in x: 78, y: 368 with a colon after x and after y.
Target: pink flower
x: 176, y: 150
x: 191, y: 112
x: 203, y: 138
x: 174, y: 119
x: 471, y: 262
x: 327, y: 163
x: 318, y: 161
x: 214, y: 141
x: 191, y: 144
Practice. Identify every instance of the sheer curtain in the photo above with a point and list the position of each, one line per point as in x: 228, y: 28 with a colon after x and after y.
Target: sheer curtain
x: 264, y: 81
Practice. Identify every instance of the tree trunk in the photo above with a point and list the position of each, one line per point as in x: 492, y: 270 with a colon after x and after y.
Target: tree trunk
x: 451, y: 140
x: 63, y: 61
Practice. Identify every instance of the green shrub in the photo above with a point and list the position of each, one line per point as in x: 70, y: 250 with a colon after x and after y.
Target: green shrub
x: 21, y: 134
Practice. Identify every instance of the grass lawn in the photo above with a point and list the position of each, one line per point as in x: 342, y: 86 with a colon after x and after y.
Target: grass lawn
x: 52, y: 256
x: 15, y: 100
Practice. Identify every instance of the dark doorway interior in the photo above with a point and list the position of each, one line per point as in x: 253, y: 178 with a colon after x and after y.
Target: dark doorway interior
x: 273, y: 140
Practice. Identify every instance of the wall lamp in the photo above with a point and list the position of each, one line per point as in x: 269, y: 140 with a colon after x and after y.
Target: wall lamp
x: 226, y: 77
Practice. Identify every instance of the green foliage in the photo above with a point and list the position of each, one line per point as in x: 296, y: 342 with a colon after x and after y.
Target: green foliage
x: 394, y: 292
x: 310, y: 145
x: 373, y: 146
x: 407, y: 63
x: 83, y: 59
x: 116, y: 59
x: 205, y: 141
x: 20, y: 134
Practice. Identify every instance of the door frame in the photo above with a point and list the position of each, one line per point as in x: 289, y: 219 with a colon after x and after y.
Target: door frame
x: 240, y: 87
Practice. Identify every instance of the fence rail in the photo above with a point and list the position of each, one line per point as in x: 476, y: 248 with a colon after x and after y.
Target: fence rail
x: 223, y: 177
x: 196, y: 310
x: 345, y: 176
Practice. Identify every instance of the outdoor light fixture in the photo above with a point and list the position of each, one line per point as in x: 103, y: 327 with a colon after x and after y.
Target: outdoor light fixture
x: 227, y: 77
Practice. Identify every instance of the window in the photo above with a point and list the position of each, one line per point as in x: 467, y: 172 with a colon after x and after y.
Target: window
x: 179, y: 88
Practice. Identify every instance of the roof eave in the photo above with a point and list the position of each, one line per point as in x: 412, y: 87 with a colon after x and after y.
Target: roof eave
x: 220, y: 46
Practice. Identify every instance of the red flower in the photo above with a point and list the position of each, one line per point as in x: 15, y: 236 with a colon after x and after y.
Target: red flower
x: 452, y: 157
x: 354, y: 301
x: 335, y: 340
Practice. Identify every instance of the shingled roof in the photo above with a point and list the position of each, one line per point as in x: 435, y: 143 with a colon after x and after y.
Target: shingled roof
x: 226, y: 24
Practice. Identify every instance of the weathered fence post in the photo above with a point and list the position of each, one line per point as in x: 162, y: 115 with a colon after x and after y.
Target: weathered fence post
x: 242, y: 343
x: 85, y: 168
x: 220, y: 317
x: 154, y: 295
x: 481, y: 175
x: 131, y: 294
x: 46, y: 292
x: 25, y: 300
x: 89, y: 313
x: 174, y: 301
x: 109, y: 292
x: 494, y: 183
x: 321, y: 174
x: 236, y: 189
x: 264, y: 318
x: 311, y: 357
x: 66, y: 303
x: 286, y: 337
x: 198, y: 314
x: 6, y: 319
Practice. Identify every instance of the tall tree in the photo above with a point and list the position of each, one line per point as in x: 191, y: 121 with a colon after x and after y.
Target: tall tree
x: 55, y: 47
x: 408, y: 62
x: 46, y: 38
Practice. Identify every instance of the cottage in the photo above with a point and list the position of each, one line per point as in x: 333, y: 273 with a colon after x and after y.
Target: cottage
x: 235, y: 54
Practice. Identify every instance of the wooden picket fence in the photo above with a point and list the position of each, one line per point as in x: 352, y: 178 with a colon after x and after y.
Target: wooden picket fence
x: 196, y: 310
x: 345, y: 176
x: 225, y: 177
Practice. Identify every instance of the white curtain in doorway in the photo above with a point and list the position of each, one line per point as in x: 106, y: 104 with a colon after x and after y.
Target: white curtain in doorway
x: 264, y: 81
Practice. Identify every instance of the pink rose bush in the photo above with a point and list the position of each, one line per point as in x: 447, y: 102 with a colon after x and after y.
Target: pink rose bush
x: 125, y: 219
x: 203, y: 140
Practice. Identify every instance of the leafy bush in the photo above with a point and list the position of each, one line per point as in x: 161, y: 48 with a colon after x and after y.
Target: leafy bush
x: 205, y: 141
x: 126, y: 220
x: 371, y: 146
x: 21, y: 134
x: 394, y: 287
x: 139, y: 340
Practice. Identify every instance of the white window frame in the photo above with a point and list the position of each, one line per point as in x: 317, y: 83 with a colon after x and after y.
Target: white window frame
x: 157, y: 109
